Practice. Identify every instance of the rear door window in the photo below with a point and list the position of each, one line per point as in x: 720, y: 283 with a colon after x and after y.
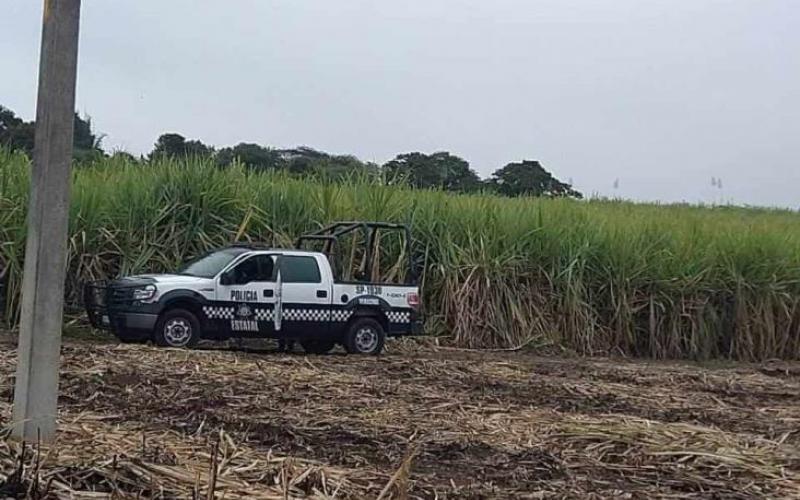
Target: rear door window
x: 299, y: 269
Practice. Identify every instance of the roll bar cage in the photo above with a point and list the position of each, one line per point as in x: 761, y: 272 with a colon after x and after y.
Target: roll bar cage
x: 330, y: 236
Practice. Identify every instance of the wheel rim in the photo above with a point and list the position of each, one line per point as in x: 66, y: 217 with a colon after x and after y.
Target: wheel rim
x: 366, y: 339
x: 177, y: 332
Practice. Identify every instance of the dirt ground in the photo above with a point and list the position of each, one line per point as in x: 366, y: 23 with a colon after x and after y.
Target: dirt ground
x: 418, y: 422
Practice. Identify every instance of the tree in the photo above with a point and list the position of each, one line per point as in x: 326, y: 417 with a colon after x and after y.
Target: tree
x: 84, y: 138
x: 251, y: 155
x: 529, y: 178
x: 86, y: 145
x: 169, y: 144
x: 299, y: 161
x: 16, y: 133
x: 329, y: 166
x: 174, y: 145
x: 303, y: 160
x: 338, y: 167
x: 197, y: 148
x: 438, y: 170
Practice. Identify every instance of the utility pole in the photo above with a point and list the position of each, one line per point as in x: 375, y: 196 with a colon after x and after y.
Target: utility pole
x: 36, y: 389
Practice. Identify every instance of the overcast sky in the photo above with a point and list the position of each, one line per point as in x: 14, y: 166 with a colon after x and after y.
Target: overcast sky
x: 660, y: 94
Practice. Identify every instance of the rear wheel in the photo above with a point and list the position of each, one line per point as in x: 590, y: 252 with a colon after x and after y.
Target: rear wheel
x: 177, y: 328
x: 317, y: 346
x: 365, y: 336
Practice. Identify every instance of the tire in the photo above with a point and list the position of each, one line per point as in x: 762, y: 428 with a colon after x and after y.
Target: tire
x: 365, y: 336
x: 318, y: 346
x: 177, y: 328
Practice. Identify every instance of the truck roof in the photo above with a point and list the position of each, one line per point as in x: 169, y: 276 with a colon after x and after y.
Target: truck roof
x: 283, y: 251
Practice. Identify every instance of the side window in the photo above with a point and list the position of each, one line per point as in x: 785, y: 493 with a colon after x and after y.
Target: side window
x: 300, y: 269
x: 256, y: 268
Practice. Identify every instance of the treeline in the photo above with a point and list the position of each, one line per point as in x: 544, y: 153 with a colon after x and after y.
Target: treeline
x: 440, y: 170
x: 15, y: 133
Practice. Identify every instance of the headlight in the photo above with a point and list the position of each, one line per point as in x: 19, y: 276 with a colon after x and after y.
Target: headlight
x: 144, y: 293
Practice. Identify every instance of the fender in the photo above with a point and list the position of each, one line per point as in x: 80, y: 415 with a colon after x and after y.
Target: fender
x: 173, y: 295
x: 369, y: 302
x: 369, y: 305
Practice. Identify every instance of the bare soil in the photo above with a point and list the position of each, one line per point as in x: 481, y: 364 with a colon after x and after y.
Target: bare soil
x: 418, y: 422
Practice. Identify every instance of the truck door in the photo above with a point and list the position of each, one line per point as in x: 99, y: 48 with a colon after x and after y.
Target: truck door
x: 305, y: 297
x: 247, y: 295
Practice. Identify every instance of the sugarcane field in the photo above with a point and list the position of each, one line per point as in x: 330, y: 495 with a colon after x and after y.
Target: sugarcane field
x: 399, y: 250
x: 547, y: 368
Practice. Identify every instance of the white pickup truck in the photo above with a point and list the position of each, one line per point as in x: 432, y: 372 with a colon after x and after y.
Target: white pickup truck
x: 247, y: 291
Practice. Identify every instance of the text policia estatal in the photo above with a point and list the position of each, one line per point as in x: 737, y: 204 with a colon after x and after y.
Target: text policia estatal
x: 244, y: 295
x: 244, y: 325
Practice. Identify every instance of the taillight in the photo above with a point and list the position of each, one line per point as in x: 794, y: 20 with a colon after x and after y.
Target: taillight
x: 413, y: 299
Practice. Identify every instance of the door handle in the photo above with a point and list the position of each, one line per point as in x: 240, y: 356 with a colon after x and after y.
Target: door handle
x: 321, y: 294
x: 269, y: 293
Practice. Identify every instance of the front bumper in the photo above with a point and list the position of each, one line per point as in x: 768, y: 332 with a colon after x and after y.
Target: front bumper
x: 126, y: 324
x: 127, y: 321
x: 117, y: 316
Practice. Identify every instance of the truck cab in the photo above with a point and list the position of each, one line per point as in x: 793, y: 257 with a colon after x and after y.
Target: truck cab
x: 251, y: 292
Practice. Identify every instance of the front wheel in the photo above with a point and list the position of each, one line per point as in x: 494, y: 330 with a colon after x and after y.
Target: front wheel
x: 365, y: 336
x: 177, y: 328
x: 317, y: 346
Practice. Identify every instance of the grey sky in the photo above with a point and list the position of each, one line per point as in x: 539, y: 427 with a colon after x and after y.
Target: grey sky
x: 663, y: 95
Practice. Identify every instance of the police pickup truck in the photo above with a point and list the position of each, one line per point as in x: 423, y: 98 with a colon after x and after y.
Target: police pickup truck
x: 252, y: 292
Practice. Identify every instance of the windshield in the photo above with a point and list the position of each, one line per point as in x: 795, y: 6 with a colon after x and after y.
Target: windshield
x: 211, y: 264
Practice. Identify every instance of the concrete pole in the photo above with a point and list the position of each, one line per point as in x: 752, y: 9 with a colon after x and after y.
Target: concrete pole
x: 36, y: 390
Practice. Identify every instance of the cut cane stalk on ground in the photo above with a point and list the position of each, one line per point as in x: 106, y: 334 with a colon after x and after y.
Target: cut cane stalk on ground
x: 421, y: 422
